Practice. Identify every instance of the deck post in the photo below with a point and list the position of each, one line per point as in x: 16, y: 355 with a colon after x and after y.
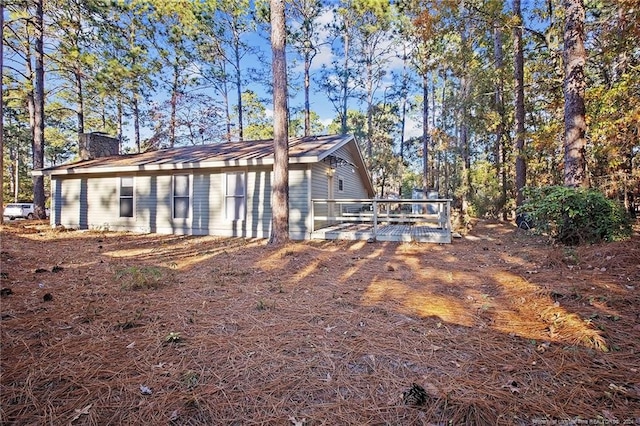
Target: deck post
x: 375, y: 218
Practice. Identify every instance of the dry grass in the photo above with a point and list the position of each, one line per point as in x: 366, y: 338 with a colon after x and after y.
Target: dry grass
x: 498, y: 328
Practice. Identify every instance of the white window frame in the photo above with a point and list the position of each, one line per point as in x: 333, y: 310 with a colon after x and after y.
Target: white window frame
x: 189, y: 197
x: 228, y: 197
x: 132, y: 196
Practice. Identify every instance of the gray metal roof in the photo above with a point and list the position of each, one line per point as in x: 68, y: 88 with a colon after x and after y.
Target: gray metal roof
x: 307, y: 150
x: 301, y: 150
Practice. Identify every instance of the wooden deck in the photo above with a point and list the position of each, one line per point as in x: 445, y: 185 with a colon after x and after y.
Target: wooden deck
x: 424, y: 220
x: 402, y: 233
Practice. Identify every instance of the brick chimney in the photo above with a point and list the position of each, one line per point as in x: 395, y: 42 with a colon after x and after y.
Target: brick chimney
x: 97, y: 144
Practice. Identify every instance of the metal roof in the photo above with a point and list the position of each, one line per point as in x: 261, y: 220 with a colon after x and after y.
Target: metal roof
x: 311, y: 149
x: 260, y: 152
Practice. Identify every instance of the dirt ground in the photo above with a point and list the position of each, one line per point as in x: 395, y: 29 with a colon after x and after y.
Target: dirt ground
x: 499, y: 327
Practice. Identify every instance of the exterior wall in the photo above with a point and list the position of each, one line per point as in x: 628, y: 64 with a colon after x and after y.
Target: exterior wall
x: 320, y: 190
x: 93, y: 202
x: 353, y: 187
x: 299, y: 202
x: 152, y: 206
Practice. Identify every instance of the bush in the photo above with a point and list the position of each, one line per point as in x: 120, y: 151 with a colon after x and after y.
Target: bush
x: 139, y: 277
x: 575, y: 216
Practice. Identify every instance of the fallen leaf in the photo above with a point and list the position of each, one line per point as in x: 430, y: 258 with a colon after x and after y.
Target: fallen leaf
x: 84, y: 411
x: 131, y: 345
x: 145, y: 390
x: 174, y: 416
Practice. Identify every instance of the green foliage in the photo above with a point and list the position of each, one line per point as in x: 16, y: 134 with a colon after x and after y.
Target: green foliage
x: 139, y: 277
x: 410, y: 180
x: 487, y: 199
x: 574, y: 216
x: 256, y: 125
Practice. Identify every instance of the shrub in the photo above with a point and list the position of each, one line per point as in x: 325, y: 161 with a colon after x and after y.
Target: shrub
x: 139, y: 277
x: 574, y: 216
x: 486, y: 199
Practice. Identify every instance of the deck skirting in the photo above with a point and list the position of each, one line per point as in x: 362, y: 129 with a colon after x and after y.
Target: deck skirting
x: 399, y: 233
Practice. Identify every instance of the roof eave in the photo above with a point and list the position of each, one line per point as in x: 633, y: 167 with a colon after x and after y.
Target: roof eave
x: 169, y: 167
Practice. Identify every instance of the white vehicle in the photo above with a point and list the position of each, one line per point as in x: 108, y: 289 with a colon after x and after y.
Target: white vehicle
x: 19, y: 210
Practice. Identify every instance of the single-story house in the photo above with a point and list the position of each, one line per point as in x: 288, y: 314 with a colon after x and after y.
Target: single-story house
x: 218, y: 189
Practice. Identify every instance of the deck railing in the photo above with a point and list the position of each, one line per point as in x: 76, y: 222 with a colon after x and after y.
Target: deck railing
x: 430, y: 212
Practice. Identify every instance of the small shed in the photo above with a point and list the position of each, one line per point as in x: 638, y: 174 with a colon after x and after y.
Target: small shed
x: 218, y: 189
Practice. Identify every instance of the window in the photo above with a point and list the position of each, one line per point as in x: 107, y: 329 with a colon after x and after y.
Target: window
x: 235, y: 196
x: 126, y: 197
x: 340, y: 184
x: 181, y: 193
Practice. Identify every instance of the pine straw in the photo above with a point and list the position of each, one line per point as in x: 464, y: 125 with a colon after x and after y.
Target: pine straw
x: 499, y: 328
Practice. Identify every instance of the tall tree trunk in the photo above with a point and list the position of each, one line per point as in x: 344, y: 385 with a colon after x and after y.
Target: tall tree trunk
x: 120, y: 109
x: 465, y: 88
x: 345, y: 85
x: 436, y: 150
x: 136, y: 120
x: 173, y: 122
x: 280, y: 191
x: 103, y: 113
x: 521, y: 165
x: 403, y: 112
x: 227, y: 112
x: 238, y: 76
x: 38, y: 129
x: 425, y: 130
x: 30, y: 84
x: 575, y: 173
x: 307, y: 83
x: 464, y: 150
x: 500, y: 128
x: 443, y: 124
x: 369, y: 88
x: 225, y: 100
x: 80, y: 101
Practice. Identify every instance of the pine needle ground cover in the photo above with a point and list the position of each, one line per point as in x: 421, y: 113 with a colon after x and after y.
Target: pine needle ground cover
x: 500, y: 327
